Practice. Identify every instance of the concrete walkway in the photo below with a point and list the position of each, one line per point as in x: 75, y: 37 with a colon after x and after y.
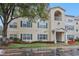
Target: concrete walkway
x: 24, y: 51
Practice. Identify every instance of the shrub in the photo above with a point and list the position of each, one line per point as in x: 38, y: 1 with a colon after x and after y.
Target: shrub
x: 77, y: 39
x: 15, y: 39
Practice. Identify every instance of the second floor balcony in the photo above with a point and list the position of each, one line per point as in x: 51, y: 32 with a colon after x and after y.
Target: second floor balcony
x: 58, y: 18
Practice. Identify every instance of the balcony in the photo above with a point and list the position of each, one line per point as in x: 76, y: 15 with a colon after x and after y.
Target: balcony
x: 58, y: 18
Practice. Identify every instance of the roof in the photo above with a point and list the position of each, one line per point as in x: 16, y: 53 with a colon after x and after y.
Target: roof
x: 56, y: 7
x: 70, y: 15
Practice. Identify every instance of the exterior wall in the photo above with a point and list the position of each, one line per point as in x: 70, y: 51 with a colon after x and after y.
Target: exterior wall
x: 24, y: 30
x: 77, y: 27
x: 54, y: 23
x: 70, y: 22
x: 53, y: 27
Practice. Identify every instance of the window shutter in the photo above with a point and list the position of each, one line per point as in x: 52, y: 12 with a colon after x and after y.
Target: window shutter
x: 38, y: 24
x: 21, y: 24
x: 21, y: 36
x: 46, y: 25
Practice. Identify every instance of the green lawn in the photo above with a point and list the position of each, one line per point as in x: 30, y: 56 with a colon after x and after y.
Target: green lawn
x: 77, y: 43
x: 38, y: 45
x: 33, y: 45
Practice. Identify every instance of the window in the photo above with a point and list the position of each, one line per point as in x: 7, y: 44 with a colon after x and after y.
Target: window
x: 42, y: 36
x: 58, y: 15
x: 58, y: 23
x: 42, y: 24
x: 13, y: 35
x: 77, y: 37
x: 70, y: 20
x: 26, y: 24
x: 77, y: 23
x: 26, y: 36
x: 70, y: 37
x: 77, y: 19
x: 13, y: 25
x: 69, y: 27
x: 76, y: 30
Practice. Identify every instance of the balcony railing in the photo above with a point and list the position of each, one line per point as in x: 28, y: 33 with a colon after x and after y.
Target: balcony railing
x: 58, y: 18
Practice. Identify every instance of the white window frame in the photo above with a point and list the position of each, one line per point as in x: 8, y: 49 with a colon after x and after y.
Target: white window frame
x: 26, y: 36
x: 42, y: 24
x: 42, y: 36
x: 26, y: 23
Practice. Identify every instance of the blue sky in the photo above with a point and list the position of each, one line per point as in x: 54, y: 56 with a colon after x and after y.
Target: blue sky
x: 71, y: 8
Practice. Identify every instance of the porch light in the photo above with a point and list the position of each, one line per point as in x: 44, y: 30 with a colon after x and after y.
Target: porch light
x: 53, y: 31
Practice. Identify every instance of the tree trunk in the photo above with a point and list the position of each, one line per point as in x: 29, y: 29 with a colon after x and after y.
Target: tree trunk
x: 4, y: 34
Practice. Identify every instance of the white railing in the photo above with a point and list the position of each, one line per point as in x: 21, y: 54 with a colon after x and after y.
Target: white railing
x: 58, y: 18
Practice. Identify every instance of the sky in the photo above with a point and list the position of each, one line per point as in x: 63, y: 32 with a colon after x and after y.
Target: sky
x: 71, y: 8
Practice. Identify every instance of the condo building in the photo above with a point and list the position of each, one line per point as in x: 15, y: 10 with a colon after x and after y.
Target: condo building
x: 58, y: 28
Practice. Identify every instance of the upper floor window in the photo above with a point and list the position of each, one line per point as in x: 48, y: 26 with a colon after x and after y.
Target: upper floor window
x: 76, y: 19
x: 26, y: 36
x: 69, y: 27
x: 42, y: 36
x: 76, y: 30
x: 58, y: 15
x: 13, y: 25
x: 70, y: 20
x: 77, y: 23
x: 26, y: 23
x: 58, y: 23
x: 42, y: 24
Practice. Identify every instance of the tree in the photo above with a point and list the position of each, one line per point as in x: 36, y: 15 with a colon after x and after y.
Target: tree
x: 12, y: 11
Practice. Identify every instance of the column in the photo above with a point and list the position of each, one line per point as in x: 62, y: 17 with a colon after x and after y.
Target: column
x: 55, y: 37
x: 63, y: 36
x: 66, y: 41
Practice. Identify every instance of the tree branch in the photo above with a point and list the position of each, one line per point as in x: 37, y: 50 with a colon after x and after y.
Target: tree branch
x: 11, y: 12
x: 13, y: 19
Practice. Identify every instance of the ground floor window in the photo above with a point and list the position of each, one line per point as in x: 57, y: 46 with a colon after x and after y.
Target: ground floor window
x: 77, y: 38
x: 13, y: 35
x: 26, y: 36
x: 70, y: 37
x: 42, y: 36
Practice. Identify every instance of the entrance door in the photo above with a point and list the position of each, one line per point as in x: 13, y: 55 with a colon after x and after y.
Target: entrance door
x: 59, y: 36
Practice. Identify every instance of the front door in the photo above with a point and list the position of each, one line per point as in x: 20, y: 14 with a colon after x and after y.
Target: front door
x: 59, y: 36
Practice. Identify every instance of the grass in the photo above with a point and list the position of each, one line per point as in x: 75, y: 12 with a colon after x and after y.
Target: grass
x: 33, y: 45
x: 39, y: 45
x: 77, y: 42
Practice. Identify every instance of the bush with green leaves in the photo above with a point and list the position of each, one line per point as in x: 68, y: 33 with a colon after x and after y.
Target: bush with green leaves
x: 77, y: 39
x: 15, y: 39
